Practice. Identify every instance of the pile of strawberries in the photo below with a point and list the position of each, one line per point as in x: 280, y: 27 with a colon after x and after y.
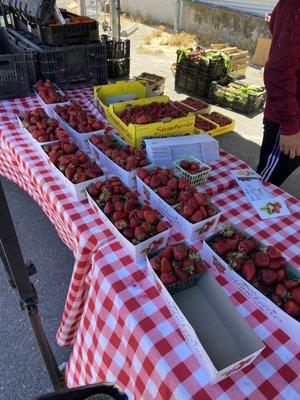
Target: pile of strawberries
x: 73, y: 163
x: 192, y: 167
x: 265, y: 268
x: 49, y: 93
x: 177, y: 263
x: 149, y: 113
x: 135, y: 221
x: 203, y: 125
x: 41, y: 127
x: 219, y: 119
x: 78, y: 118
x: 175, y: 191
x: 196, y: 104
x: 127, y: 157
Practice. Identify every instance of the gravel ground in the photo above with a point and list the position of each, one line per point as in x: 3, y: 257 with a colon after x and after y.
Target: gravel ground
x: 22, y: 372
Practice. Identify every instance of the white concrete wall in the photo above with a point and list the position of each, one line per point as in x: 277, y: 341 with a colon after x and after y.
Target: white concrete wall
x: 158, y: 10
x: 259, y: 7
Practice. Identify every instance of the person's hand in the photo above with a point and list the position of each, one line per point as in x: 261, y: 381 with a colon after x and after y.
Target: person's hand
x: 290, y: 145
x: 267, y: 17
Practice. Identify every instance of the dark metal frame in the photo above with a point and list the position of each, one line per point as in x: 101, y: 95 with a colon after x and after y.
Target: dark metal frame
x: 18, y: 273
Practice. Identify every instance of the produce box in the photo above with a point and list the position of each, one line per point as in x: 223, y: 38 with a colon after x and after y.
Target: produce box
x: 240, y: 97
x: 137, y: 251
x: 57, y: 95
x: 154, y: 82
x: 224, y: 123
x: 191, y: 231
x: 135, y: 133
x: 217, y: 335
x: 256, y: 284
x: 127, y: 177
x: 68, y: 169
x: 239, y: 59
x: 118, y: 92
x: 80, y: 138
x: 204, y: 125
x: 191, y: 82
x: 198, y: 105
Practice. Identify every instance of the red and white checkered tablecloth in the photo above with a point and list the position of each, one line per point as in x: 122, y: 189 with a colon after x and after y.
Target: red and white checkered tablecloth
x: 127, y: 333
x: 77, y: 225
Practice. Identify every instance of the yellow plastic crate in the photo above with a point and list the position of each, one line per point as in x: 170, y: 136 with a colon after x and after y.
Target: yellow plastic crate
x: 118, y: 92
x: 135, y: 133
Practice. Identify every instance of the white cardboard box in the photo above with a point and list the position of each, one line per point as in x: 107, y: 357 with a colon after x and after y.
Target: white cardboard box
x: 218, y: 336
x: 285, y: 322
x: 190, y: 231
x: 127, y: 177
x: 81, y: 139
x: 137, y: 252
x: 50, y: 107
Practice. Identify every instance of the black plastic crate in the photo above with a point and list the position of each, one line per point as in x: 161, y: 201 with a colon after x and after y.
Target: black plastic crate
x: 117, y: 49
x: 118, y: 68
x: 67, y: 66
x: 191, y: 83
x: 214, y: 70
x: 38, y: 11
x: 244, y: 103
x: 17, y: 69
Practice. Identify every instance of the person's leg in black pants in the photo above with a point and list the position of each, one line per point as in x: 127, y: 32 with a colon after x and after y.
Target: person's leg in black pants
x: 274, y: 166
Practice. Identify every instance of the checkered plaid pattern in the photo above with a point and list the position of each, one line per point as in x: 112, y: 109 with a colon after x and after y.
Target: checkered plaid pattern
x: 119, y: 323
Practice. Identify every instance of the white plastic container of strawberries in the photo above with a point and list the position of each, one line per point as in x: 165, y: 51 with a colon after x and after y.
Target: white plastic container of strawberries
x: 127, y: 177
x: 192, y: 232
x: 284, y: 321
x: 50, y: 107
x: 137, y: 252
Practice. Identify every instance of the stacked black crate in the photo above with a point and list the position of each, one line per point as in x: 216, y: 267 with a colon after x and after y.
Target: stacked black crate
x: 118, y: 57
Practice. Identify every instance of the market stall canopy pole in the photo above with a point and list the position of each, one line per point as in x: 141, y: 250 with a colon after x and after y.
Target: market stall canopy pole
x: 82, y: 7
x: 115, y: 19
x: 18, y: 275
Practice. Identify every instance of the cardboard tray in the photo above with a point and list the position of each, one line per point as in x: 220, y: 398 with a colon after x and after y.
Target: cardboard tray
x: 192, y: 232
x: 127, y: 177
x: 81, y: 139
x: 138, y: 252
x: 134, y: 133
x: 285, y: 322
x: 218, y: 336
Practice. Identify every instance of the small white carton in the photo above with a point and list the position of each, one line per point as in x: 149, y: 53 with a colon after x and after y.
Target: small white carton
x: 81, y: 139
x: 137, y: 252
x: 78, y: 189
x: 218, y: 336
x: 190, y: 231
x: 288, y: 324
x: 127, y: 177
x: 50, y: 107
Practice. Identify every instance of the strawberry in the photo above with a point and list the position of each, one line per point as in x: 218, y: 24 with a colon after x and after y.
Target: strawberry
x: 273, y: 265
x: 128, y: 233
x: 118, y: 215
x: 179, y: 253
x: 188, y: 264
x: 273, y: 253
x: 164, y: 191
x: 192, y: 203
x: 108, y: 209
x: 155, y: 263
x: 182, y: 183
x: 276, y: 299
x: 203, y: 211
x: 261, y: 260
x: 282, y: 291
x: 268, y: 277
x: 165, y: 265
x: 211, y: 210
x: 92, y: 191
x: 79, y: 177
x: 292, y: 308
x: 172, y: 183
x: 221, y: 248
x: 249, y: 271
x: 141, y: 173
x: 247, y: 245
x: 199, y: 267
x: 139, y: 234
x: 184, y: 197
x: 232, y: 244
x: 296, y: 295
x: 161, y: 227
x: 197, y: 217
x: 167, y: 252
x: 118, y: 206
x: 151, y: 216
x: 281, y: 275
x: 121, y: 224
x: 181, y: 275
x: 291, y: 284
x: 281, y: 261
x: 154, y: 182
x: 188, y: 211
x: 167, y: 278
x: 201, y: 198
x: 69, y: 172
